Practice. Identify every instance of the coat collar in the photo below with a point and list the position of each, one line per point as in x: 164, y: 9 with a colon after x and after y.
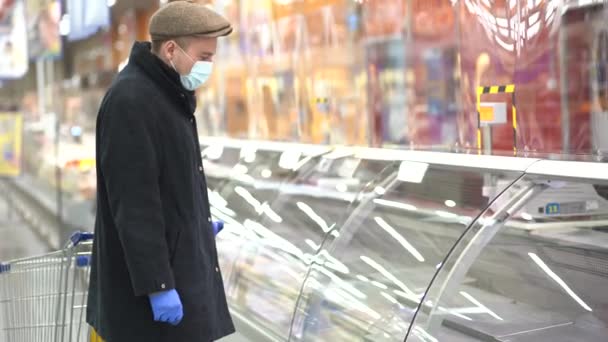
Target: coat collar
x: 161, y: 74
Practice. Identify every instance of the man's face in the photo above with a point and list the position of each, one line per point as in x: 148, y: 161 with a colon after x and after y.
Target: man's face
x: 197, y: 49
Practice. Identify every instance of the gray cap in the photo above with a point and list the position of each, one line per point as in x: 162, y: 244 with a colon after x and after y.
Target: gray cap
x: 187, y: 18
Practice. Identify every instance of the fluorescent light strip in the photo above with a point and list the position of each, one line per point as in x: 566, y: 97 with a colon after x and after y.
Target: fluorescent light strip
x: 389, y: 298
x: 454, y: 313
x: 393, y: 233
x: 217, y: 213
x: 388, y: 275
x: 312, y: 245
x: 445, y: 214
x: 559, y: 280
x: 248, y: 197
x: 334, y: 263
x: 362, y: 278
x: 257, y: 205
x: 408, y: 296
x: 379, y: 285
x: 397, y: 205
x: 225, y: 210
x: 481, y: 306
x: 271, y: 213
x: 314, y: 216
x: 429, y: 304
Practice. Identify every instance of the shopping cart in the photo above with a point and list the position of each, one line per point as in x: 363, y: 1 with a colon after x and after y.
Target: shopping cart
x: 43, y: 299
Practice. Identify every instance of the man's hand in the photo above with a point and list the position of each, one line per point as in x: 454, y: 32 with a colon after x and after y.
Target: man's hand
x: 217, y: 227
x: 167, y: 307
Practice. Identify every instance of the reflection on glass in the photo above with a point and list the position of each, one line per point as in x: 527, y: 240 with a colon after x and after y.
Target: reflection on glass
x: 537, y: 274
x: 219, y: 161
x: 409, y: 72
x: 391, y: 244
x: 558, y: 280
x: 392, y: 232
x: 313, y: 216
x: 243, y: 195
x: 394, y: 204
x: 284, y: 226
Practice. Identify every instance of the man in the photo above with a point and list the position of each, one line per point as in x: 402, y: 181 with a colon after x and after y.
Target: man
x: 155, y: 274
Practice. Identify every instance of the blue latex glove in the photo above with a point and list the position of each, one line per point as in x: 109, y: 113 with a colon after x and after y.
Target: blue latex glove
x: 167, y: 307
x: 217, y: 226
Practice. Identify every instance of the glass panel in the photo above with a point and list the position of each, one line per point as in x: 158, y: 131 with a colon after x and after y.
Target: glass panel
x: 371, y: 272
x: 424, y: 73
x: 226, y: 207
x: 218, y: 161
x: 248, y: 189
x: 253, y: 183
x: 536, y: 275
x: 290, y: 71
x: 283, y: 239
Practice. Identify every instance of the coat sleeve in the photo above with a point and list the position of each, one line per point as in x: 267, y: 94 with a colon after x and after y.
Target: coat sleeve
x: 129, y: 162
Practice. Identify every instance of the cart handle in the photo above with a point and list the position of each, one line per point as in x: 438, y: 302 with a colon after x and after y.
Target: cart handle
x: 79, y: 237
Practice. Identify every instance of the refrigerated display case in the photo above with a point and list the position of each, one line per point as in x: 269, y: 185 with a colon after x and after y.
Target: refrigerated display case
x: 390, y: 246
x: 244, y: 179
x: 357, y: 244
x: 531, y: 278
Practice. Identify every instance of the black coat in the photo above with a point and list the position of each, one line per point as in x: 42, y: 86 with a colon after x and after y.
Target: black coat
x: 153, y: 227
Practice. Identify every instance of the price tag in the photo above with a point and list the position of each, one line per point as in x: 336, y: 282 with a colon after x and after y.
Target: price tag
x: 553, y: 209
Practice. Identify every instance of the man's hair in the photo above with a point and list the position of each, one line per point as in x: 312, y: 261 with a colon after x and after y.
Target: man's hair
x: 183, y: 42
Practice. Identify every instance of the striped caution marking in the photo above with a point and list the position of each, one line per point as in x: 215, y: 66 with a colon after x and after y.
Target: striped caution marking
x: 499, y: 89
x: 507, y: 89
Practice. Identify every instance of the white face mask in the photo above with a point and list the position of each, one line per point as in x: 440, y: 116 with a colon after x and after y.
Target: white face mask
x: 200, y: 73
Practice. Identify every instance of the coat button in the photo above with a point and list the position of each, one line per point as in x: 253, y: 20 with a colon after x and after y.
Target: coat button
x: 163, y: 286
x: 209, y: 219
x: 200, y: 168
x: 217, y: 270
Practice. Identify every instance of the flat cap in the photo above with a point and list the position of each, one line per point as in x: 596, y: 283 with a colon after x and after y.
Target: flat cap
x: 187, y: 18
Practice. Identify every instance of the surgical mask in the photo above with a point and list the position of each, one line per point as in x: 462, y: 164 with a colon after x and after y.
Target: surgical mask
x: 200, y: 73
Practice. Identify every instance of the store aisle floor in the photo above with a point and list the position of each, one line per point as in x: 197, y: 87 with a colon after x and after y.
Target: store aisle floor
x: 16, y: 238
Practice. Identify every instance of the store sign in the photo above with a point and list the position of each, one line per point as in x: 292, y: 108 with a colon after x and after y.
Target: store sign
x: 486, y: 114
x: 87, y: 17
x: 13, y: 39
x: 492, y: 113
x: 43, y: 18
x: 11, y: 127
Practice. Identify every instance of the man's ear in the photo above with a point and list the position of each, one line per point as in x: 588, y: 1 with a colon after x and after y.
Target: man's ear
x: 169, y: 49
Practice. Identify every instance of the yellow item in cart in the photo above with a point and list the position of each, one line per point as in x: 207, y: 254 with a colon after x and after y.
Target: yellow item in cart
x: 95, y: 337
